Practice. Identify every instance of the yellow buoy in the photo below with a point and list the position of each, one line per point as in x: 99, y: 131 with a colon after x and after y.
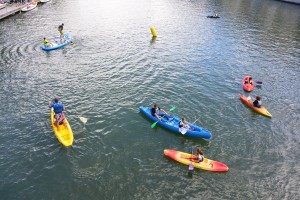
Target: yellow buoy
x: 153, y: 31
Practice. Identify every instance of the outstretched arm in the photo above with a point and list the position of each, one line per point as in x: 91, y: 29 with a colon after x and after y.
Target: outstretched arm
x: 164, y: 111
x: 157, y: 116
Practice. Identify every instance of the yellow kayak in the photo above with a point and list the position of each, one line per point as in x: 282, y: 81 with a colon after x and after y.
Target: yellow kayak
x: 64, y: 136
x: 262, y: 110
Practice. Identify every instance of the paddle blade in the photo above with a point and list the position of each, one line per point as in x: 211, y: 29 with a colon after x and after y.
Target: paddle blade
x: 173, y: 108
x: 258, y: 82
x: 154, y: 124
x: 83, y: 119
x: 191, y: 167
x: 183, y: 131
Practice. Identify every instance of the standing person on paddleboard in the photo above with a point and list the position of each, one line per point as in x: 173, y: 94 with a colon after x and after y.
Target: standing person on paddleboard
x: 155, y: 111
x: 59, y: 116
x: 60, y: 29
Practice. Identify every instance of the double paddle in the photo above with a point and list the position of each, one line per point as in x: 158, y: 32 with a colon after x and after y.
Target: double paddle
x: 191, y: 166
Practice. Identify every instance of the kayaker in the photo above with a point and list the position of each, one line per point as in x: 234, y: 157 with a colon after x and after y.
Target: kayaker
x: 60, y: 29
x: 257, y: 102
x: 59, y: 116
x: 46, y: 43
x: 216, y: 15
x: 200, y: 155
x: 155, y: 111
x: 184, y: 124
x: 250, y: 80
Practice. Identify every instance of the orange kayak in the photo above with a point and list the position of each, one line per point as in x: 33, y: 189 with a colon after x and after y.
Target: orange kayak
x: 249, y: 102
x: 187, y: 159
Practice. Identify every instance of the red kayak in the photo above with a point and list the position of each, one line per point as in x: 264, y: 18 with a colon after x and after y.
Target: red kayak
x: 246, y: 85
x: 187, y: 159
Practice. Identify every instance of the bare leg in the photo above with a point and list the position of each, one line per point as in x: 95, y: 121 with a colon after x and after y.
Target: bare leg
x: 65, y: 124
x: 57, y: 126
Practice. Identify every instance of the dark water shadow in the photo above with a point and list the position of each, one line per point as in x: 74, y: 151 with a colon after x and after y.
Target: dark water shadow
x: 152, y: 41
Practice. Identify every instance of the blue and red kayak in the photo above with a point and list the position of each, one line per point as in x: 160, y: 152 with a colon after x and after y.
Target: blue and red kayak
x: 171, y: 123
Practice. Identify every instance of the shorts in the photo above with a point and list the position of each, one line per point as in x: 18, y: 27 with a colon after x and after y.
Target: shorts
x: 61, y: 32
x: 59, y: 118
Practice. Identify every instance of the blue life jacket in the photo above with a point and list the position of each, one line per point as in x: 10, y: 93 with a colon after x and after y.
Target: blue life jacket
x: 58, y: 107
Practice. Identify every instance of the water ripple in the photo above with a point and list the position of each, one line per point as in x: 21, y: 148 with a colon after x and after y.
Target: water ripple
x: 195, y: 64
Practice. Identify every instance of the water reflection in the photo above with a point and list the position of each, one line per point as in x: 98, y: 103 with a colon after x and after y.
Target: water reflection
x: 152, y: 41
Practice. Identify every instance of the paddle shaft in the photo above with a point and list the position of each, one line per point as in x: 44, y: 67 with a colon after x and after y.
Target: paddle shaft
x: 196, y: 120
x: 258, y: 82
x: 191, y: 166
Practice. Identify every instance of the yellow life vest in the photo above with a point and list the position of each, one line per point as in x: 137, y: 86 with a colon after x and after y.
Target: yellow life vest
x: 46, y: 42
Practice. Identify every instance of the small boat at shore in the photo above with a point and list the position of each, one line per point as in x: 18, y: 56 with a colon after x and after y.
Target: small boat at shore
x: 29, y: 7
x: 2, y: 5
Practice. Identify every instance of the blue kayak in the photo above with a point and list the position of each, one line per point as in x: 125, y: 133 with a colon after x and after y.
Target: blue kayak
x: 172, y: 123
x: 57, y: 44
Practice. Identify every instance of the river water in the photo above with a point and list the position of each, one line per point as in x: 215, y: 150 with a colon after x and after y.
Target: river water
x: 195, y: 64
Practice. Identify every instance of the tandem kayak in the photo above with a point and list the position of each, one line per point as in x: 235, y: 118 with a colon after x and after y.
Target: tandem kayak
x: 173, y: 125
x: 57, y: 44
x: 249, y: 102
x: 246, y: 85
x: 64, y: 136
x: 187, y: 159
x: 28, y: 7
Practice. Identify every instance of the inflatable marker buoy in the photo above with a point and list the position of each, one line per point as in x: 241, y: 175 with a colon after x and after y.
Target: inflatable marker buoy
x: 153, y: 31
